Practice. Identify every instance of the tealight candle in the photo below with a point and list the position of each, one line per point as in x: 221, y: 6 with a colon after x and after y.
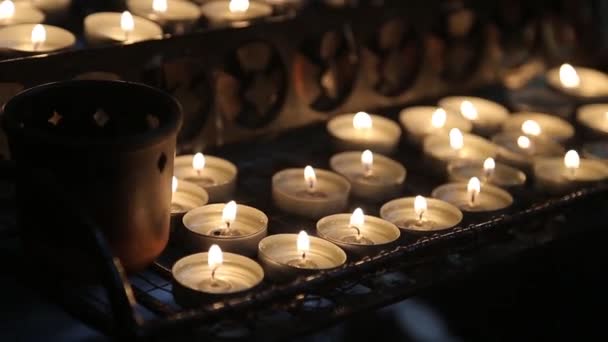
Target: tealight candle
x: 310, y: 193
x: 597, y: 151
x: 472, y: 197
x: 556, y: 175
x: 488, y: 171
x: 357, y: 233
x: 521, y: 150
x: 186, y: 196
x: 215, y: 275
x: 442, y: 149
x: 421, y: 121
x: 539, y: 124
x: 594, y: 117
x: 485, y: 115
x: 112, y: 27
x: 232, y: 11
x: 54, y: 10
x: 578, y: 82
x: 372, y: 176
x: 421, y: 215
x: 33, y: 39
x: 286, y: 256
x: 216, y: 175
x: 175, y: 16
x: 19, y: 13
x: 362, y: 131
x: 236, y: 228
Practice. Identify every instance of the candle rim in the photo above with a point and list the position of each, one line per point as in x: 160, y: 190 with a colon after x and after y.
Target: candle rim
x: 313, y: 240
x: 244, y: 212
x: 554, y: 81
x: 354, y: 157
x: 369, y: 221
x: 184, y: 161
x: 144, y: 9
x: 296, y: 173
x: 67, y: 38
x: 407, y: 203
x: 488, y: 190
x: 93, y: 21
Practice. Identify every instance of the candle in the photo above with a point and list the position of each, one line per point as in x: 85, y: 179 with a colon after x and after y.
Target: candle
x: 597, y: 151
x: 421, y: 215
x: 421, y: 121
x: 175, y: 16
x: 19, y: 13
x: 372, y: 176
x: 473, y: 197
x: 485, y: 115
x: 310, y: 193
x: 487, y: 171
x: 111, y: 27
x: 32, y: 39
x: 557, y: 175
x: 216, y: 175
x: 55, y: 10
x: 214, y: 275
x: 186, y: 196
x: 357, y: 233
x: 286, y: 256
x: 235, y: 228
x: 222, y: 11
x: 442, y: 149
x: 594, y: 117
x: 539, y: 124
x: 363, y: 131
x: 521, y: 150
x: 578, y: 82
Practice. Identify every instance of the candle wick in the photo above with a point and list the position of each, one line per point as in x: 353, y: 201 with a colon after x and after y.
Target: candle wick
x: 368, y: 171
x: 472, y: 200
x: 303, y: 256
x: 126, y: 35
x: 572, y: 172
x: 358, y: 237
x: 36, y: 46
x: 311, y: 187
x: 198, y: 172
x: 213, y: 272
x: 420, y: 216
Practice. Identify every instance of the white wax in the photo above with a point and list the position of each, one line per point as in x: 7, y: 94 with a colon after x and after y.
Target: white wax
x: 593, y: 83
x: 417, y: 122
x: 490, y: 115
x: 218, y: 176
x: 25, y: 13
x: 104, y: 28
x: 551, y: 126
x: 475, y: 148
x: 490, y: 198
x: 382, y: 137
x: 594, y: 117
x: 19, y: 38
x: 218, y: 11
x: 178, y: 12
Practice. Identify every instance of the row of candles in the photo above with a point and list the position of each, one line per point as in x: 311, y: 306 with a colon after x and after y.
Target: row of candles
x: 483, y: 173
x: 22, y: 31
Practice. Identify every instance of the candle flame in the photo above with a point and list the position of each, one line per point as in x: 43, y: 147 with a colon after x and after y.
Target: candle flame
x: 523, y: 142
x: 303, y: 243
x: 367, y: 160
x: 198, y: 161
x: 420, y: 206
x: 215, y: 257
x: 568, y: 76
x: 489, y: 165
x: 126, y: 22
x: 473, y: 188
x: 439, y: 118
x: 229, y: 213
x: 310, y: 177
x: 362, y: 120
x: 456, y: 139
x: 357, y: 219
x: 159, y: 6
x: 7, y: 9
x: 174, y: 184
x: 238, y: 6
x: 571, y: 160
x: 468, y: 110
x: 531, y: 127
x: 38, y: 34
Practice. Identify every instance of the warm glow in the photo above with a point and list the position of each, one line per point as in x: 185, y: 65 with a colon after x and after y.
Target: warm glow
x: 571, y: 160
x: 420, y: 206
x: 38, y: 35
x: 216, y: 257
x: 568, y: 76
x: 238, y: 6
x: 229, y: 213
x: 310, y: 177
x: 159, y: 6
x: 174, y: 184
x: 362, y: 120
x: 473, y: 188
x: 357, y: 219
x: 468, y: 110
x: 367, y: 160
x: 531, y: 127
x: 198, y: 161
x: 126, y: 22
x: 439, y: 117
x: 7, y: 9
x: 456, y: 139
x: 303, y: 243
x: 523, y: 142
x: 489, y: 165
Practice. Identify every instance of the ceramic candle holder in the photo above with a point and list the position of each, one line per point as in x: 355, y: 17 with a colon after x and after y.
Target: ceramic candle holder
x: 186, y: 197
x: 383, y: 180
x: 594, y: 118
x: 551, y: 126
x: 596, y: 151
x: 193, y: 286
x: 104, y: 28
x: 178, y: 17
x: 438, y: 215
x: 552, y: 176
x: 370, y: 238
x: 17, y: 40
x: 439, y: 152
x: 419, y: 122
x: 520, y: 150
x: 204, y: 227
x: 502, y: 175
x: 489, y: 200
x: 291, y: 193
x: 281, y: 259
x: 382, y: 137
x: 218, y: 176
x: 23, y: 13
x: 485, y: 115
x: 591, y: 83
x: 218, y: 12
